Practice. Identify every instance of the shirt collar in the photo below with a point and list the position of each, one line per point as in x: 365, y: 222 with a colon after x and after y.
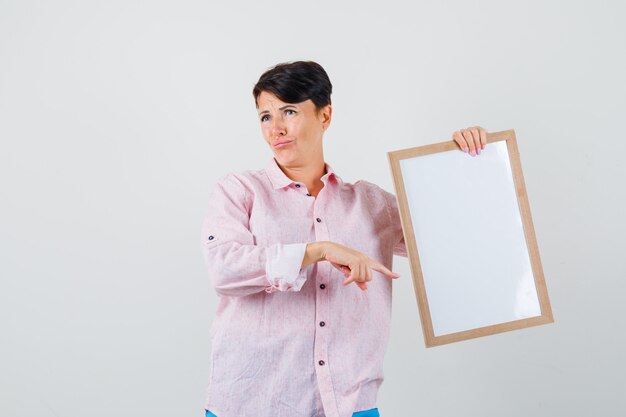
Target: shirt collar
x: 280, y: 180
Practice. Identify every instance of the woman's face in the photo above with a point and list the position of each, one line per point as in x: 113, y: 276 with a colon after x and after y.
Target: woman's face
x: 293, y: 131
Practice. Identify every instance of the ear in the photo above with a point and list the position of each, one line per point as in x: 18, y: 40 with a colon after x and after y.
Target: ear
x: 326, y: 115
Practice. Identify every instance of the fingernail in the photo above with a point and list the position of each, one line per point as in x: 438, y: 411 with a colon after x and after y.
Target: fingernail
x: 473, y: 153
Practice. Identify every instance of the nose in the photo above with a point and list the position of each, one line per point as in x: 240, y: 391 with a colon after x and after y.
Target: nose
x: 277, y: 127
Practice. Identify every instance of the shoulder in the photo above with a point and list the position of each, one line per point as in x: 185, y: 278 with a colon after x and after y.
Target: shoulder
x: 243, y: 180
x: 243, y: 185
x: 372, y: 189
x: 231, y: 186
x: 378, y: 198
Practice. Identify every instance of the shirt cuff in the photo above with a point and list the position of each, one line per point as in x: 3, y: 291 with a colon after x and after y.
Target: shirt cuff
x: 282, y: 267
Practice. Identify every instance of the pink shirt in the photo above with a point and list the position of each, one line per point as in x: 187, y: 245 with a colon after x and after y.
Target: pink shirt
x: 286, y: 341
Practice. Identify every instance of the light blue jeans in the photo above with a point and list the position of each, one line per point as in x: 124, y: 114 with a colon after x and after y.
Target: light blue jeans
x: 367, y: 413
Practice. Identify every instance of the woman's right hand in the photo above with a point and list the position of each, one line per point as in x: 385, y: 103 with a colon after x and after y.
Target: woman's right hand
x: 354, y: 265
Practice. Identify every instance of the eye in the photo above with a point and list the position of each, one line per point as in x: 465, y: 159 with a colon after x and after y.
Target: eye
x: 263, y: 118
x: 290, y: 110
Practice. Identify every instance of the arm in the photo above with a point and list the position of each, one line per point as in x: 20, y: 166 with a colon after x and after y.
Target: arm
x: 399, y: 247
x: 314, y: 252
x: 236, y: 265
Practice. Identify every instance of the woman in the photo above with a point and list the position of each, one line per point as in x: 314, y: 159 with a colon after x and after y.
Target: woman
x: 292, y: 337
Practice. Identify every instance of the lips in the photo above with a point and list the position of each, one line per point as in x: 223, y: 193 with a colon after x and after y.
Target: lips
x: 280, y: 143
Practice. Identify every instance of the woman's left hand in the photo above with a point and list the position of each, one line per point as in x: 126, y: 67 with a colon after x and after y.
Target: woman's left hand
x: 472, y: 139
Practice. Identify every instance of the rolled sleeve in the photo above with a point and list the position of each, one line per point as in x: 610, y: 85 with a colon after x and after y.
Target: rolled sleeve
x: 283, y: 267
x: 235, y: 264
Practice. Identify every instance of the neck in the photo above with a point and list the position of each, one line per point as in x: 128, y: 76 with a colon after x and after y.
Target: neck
x: 310, y: 174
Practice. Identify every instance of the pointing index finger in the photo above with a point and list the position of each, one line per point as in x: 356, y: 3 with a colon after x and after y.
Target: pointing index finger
x: 383, y: 269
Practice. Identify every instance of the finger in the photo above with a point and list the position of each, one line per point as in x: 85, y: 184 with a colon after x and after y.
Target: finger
x: 337, y: 266
x: 348, y: 280
x: 458, y: 138
x: 341, y: 268
x: 483, y: 136
x: 476, y: 137
x: 383, y: 269
x: 364, y: 269
x: 368, y: 271
x: 362, y: 285
x: 362, y: 273
x: 467, y: 135
x: 354, y: 275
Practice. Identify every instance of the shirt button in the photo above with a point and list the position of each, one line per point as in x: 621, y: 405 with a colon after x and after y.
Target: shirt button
x: 298, y: 185
x: 309, y: 194
x: 319, y: 220
x: 322, y: 324
x: 322, y: 286
x: 321, y: 362
x: 210, y: 237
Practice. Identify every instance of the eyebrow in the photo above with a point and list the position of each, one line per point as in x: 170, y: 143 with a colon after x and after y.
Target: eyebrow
x: 280, y: 108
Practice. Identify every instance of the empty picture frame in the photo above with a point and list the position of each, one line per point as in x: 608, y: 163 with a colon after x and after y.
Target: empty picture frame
x: 470, y: 239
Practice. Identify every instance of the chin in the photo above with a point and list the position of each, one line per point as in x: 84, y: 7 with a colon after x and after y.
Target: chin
x: 284, y: 158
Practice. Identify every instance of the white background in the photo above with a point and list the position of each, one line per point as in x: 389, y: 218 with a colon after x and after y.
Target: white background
x: 117, y: 117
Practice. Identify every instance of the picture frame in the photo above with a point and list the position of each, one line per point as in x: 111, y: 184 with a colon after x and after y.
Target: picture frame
x: 470, y: 239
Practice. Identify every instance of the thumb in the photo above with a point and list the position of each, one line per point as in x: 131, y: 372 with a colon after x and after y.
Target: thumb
x: 352, y: 276
x: 341, y: 268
